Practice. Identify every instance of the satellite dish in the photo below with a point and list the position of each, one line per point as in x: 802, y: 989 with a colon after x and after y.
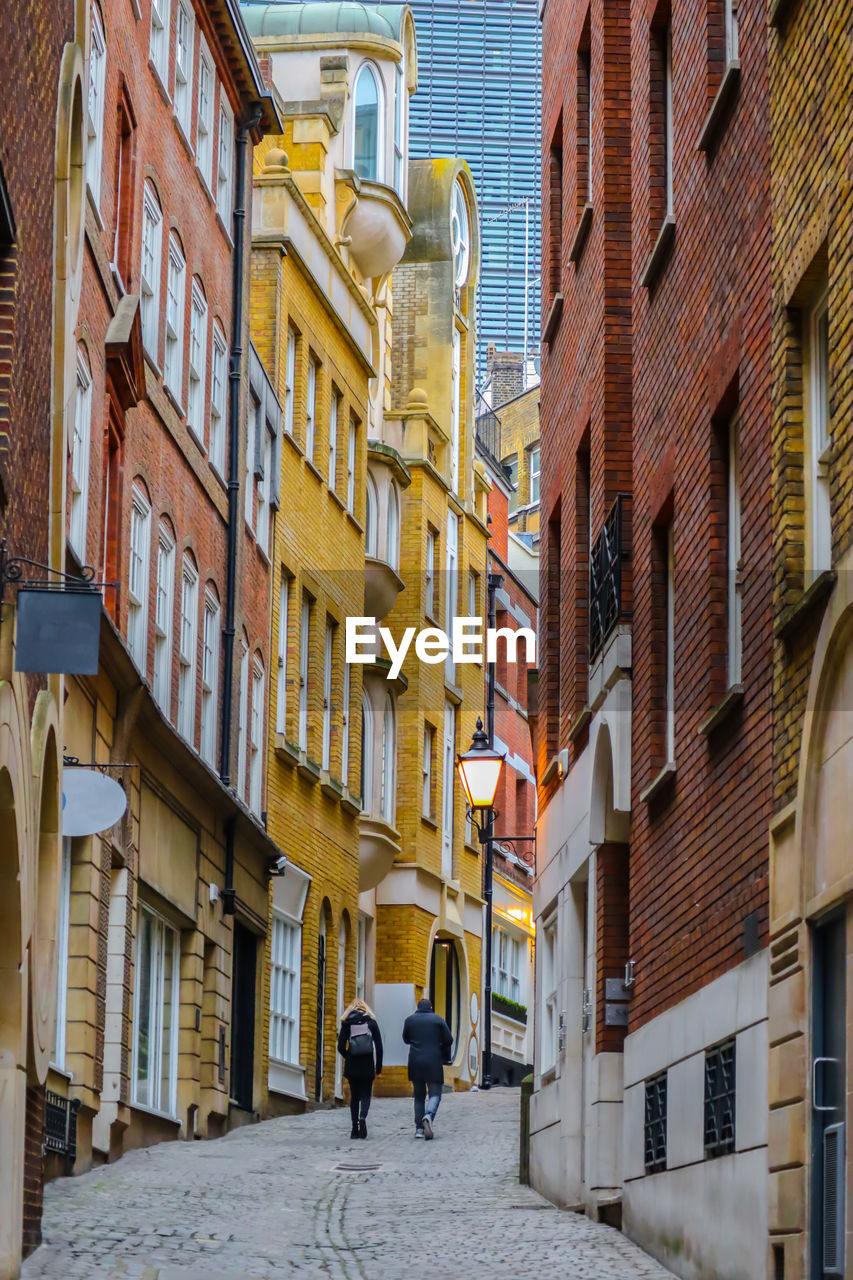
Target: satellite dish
x: 91, y: 802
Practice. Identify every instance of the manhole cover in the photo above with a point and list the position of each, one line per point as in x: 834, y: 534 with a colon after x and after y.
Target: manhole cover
x: 357, y: 1168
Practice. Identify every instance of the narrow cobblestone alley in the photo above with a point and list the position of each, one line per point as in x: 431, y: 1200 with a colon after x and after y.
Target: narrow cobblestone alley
x: 297, y: 1197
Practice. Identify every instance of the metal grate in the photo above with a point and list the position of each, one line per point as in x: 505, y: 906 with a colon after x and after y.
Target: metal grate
x: 720, y: 1099
x: 605, y: 577
x: 833, y: 1200
x: 655, y: 1126
x: 60, y: 1124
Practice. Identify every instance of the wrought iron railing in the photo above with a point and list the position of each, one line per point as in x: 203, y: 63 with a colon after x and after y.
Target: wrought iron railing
x: 60, y: 1124
x: 487, y: 427
x: 607, y: 559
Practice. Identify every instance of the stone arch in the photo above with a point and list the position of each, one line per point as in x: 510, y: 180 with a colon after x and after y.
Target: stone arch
x: 609, y: 814
x: 447, y: 928
x: 47, y: 768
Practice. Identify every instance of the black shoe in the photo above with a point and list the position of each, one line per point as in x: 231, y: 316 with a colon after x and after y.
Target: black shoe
x: 355, y: 1133
x: 362, y: 1128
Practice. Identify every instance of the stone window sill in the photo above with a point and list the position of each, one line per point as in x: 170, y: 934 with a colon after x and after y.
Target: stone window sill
x: 352, y: 804
x: 314, y: 470
x: 293, y: 442
x: 338, y: 501
x: 330, y: 786
x: 354, y: 522
x: 580, y: 724
x: 660, y: 253
x: 716, y: 117
x: 429, y: 822
x: 308, y: 769
x: 730, y: 700
x: 553, y: 321
x: 659, y: 783
x: 286, y: 751
x: 581, y: 233
x: 798, y: 614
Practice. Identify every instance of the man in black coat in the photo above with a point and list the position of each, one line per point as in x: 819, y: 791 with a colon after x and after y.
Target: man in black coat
x: 430, y: 1044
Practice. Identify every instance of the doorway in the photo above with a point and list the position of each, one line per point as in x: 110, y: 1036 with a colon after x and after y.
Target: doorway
x: 342, y: 966
x: 321, y: 1009
x: 829, y: 1088
x: 243, y: 977
x: 444, y: 985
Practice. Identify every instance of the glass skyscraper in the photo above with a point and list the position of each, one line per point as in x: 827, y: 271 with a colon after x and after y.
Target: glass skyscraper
x: 479, y: 97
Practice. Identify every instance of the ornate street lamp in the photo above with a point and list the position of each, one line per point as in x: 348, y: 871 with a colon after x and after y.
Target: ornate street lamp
x: 479, y: 772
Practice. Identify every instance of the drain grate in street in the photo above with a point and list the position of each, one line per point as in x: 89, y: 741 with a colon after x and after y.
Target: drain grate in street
x: 357, y: 1168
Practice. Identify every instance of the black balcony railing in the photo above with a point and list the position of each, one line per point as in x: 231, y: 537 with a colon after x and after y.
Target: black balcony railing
x: 487, y: 427
x: 60, y: 1124
x: 606, y: 570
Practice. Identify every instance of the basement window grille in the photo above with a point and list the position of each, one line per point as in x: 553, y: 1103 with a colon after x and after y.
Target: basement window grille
x: 655, y: 1125
x: 607, y: 556
x: 60, y: 1124
x: 720, y: 1100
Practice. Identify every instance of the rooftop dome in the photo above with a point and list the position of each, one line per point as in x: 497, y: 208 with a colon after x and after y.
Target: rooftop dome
x: 323, y: 17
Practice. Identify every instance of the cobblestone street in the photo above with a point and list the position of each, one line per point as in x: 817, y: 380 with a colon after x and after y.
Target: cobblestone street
x: 283, y: 1198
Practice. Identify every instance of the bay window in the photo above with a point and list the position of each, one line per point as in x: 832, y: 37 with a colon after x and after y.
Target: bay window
x: 285, y: 968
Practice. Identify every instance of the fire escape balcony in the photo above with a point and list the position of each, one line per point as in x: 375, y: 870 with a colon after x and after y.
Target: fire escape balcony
x: 609, y: 576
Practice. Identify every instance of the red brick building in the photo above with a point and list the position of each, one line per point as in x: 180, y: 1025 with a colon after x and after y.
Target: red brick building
x: 172, y: 495
x: 653, y: 742
x: 41, y: 145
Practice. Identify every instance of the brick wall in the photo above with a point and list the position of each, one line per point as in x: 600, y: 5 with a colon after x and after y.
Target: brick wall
x: 33, y: 1181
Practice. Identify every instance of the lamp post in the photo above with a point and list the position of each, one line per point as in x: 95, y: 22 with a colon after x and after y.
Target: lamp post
x: 479, y: 771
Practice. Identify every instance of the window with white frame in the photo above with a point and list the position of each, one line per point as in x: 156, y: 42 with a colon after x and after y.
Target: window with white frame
x: 393, y: 526
x: 817, y: 389
x: 670, y: 644
x: 184, y: 41
x: 304, y: 661
x: 733, y: 579
x: 351, y: 447
x: 225, y: 163
x: 367, y: 748
x: 345, y: 699
x: 198, y: 361
x: 155, y: 1020
x: 187, y: 646
x: 285, y: 968
x: 62, y: 934
x: 209, y: 676
x: 265, y: 490
x: 243, y: 720
x: 448, y: 771
x: 426, y: 771
x: 311, y: 409
x: 535, y: 467
x: 429, y: 575
x: 547, y: 951
x: 334, y: 406
x: 175, y: 308
x: 506, y: 964
x: 204, y: 112
x: 371, y: 518
x: 367, y: 140
x: 161, y: 12
x: 218, y: 385
x: 328, y: 654
x: 732, y: 32
x: 668, y: 124
x: 254, y: 424
x: 149, y: 276
x: 256, y: 737
x: 451, y: 586
x: 281, y: 680
x: 455, y: 409
x: 289, y: 379
x: 138, y: 575
x: 80, y: 446
x: 399, y: 125
x: 472, y: 594
x: 95, y: 112
x: 389, y: 762
x: 163, y: 611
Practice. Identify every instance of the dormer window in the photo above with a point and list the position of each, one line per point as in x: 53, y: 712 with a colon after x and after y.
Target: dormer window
x: 460, y: 236
x: 366, y: 144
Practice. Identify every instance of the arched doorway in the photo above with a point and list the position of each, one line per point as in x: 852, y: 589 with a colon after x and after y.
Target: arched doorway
x: 320, y: 1043
x: 342, y: 966
x: 12, y: 1078
x: 445, y: 984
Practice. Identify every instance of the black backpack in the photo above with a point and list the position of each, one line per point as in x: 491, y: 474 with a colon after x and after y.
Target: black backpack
x: 360, y: 1040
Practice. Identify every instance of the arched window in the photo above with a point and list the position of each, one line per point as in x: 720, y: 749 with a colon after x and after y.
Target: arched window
x: 393, y: 526
x: 371, y: 519
x: 366, y: 756
x: 80, y: 456
x: 460, y: 235
x: 389, y: 762
x: 95, y: 114
x: 366, y: 139
x: 149, y: 280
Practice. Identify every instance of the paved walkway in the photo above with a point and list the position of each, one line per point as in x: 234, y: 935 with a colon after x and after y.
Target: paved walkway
x: 288, y: 1198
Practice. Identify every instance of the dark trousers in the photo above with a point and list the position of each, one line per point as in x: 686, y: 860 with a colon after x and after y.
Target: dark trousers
x: 359, y: 1099
x: 421, y: 1105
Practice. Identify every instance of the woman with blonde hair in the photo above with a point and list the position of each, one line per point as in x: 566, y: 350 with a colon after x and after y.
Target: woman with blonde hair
x: 360, y: 1046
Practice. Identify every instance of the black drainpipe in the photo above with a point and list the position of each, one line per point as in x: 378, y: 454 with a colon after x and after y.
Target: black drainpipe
x: 235, y: 372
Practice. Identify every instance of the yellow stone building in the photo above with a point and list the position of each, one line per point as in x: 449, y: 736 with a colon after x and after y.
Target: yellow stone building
x: 330, y: 223
x: 426, y: 911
